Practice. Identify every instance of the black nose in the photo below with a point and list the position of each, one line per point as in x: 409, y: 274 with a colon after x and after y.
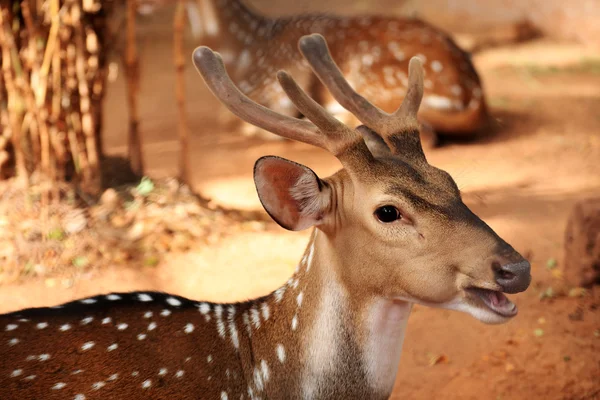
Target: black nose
x: 513, y: 277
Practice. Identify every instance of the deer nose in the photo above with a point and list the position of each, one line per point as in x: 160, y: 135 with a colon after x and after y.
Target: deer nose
x: 514, y: 277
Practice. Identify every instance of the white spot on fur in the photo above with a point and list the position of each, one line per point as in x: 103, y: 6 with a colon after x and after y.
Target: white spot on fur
x: 76, y: 372
x: 113, y: 297
x: 279, y: 294
x: 112, y: 347
x: 209, y: 358
x: 122, y: 326
x: 255, y: 317
x: 220, y: 324
x: 247, y: 323
x: 224, y: 396
x: 179, y: 373
x: 244, y: 60
x: 162, y: 372
x: 165, y: 313
x: 456, y: 90
x: 98, y: 385
x: 299, y: 298
x: 266, y: 312
x: 209, y: 17
x: 59, y: 386
x: 13, y: 341
x: 189, y: 328
x: 396, y: 51
x: 173, y: 301
x: 144, y: 297
x: 64, y: 328
x: 30, y: 378
x: 265, y: 370
x: 42, y: 325
x: 146, y: 384
x: 436, y: 66
x: 106, y: 320
x: 438, y: 102
x: 295, y: 322
x: 113, y: 377
x: 79, y: 397
x: 152, y: 326
x: 148, y: 314
x: 87, y: 320
x: 87, y: 346
x: 280, y: 353
x: 87, y: 301
x: 44, y: 357
x: 232, y: 328
x: 16, y: 372
x: 258, y: 381
x: 141, y: 336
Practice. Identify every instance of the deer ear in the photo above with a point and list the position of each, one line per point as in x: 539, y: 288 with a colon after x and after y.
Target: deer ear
x: 291, y: 193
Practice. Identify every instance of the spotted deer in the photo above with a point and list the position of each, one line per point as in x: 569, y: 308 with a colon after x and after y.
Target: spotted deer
x: 372, y: 51
x: 391, y: 230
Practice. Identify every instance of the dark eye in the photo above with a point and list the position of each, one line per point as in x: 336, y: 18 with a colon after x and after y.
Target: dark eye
x: 388, y: 214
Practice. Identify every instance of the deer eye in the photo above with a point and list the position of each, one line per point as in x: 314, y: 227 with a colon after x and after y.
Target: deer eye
x: 387, y: 214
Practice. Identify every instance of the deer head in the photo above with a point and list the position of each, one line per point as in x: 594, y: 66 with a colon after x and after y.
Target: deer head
x: 395, y: 227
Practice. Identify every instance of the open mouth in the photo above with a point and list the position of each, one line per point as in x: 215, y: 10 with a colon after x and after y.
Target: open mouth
x: 495, y: 301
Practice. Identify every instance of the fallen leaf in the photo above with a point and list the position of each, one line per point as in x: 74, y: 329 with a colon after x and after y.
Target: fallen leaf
x: 438, y: 359
x: 557, y: 273
x: 538, y: 332
x: 80, y: 261
x: 577, y: 292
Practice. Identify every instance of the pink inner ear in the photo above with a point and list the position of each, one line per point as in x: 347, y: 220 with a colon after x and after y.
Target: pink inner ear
x: 279, y: 177
x: 275, y: 178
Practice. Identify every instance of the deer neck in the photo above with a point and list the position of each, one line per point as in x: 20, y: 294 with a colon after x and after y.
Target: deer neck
x: 228, y: 26
x: 341, y: 345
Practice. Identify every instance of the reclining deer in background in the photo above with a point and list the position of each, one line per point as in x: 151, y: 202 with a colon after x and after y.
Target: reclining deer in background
x: 391, y: 230
x: 372, y: 52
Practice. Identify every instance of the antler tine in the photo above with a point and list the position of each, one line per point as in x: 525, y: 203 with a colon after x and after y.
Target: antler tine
x: 211, y: 67
x: 314, y: 48
x: 338, y: 134
x: 414, y: 93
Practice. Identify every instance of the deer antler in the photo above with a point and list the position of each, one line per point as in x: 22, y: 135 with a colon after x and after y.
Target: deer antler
x: 325, y: 131
x: 314, y: 49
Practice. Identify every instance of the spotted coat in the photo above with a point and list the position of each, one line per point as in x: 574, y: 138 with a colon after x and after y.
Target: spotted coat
x: 372, y: 51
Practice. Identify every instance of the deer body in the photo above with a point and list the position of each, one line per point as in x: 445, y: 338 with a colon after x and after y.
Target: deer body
x: 301, y: 341
x: 372, y: 52
x: 390, y: 231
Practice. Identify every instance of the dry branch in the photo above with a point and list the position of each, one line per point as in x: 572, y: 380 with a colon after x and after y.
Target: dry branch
x: 133, y: 83
x: 179, y: 60
x: 53, y: 80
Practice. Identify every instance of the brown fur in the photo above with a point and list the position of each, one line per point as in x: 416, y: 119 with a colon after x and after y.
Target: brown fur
x: 366, y: 49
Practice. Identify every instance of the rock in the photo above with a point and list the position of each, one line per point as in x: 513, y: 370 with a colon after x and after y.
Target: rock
x: 582, y: 244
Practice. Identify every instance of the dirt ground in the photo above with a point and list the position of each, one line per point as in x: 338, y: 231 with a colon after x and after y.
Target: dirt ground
x: 522, y: 180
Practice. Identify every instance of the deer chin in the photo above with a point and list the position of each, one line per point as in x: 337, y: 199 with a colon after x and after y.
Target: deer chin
x: 493, y: 300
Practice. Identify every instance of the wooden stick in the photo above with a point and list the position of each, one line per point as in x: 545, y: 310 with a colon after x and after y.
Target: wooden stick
x: 133, y: 77
x: 179, y: 59
x: 6, y: 44
x: 91, y: 185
